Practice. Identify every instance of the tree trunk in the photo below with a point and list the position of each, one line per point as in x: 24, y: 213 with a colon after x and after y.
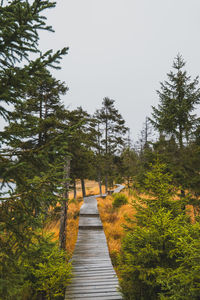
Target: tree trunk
x: 99, y: 181
x: 40, y: 133
x: 75, y: 194
x: 83, y: 187
x: 106, y: 144
x: 180, y: 137
x: 64, y: 206
x: 106, y: 183
x: 128, y: 179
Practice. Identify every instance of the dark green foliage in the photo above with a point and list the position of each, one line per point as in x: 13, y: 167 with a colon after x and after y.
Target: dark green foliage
x: 81, y: 144
x: 24, y: 212
x: 39, y: 115
x: 119, y: 200
x: 41, y: 272
x: 129, y: 165
x: 20, y: 22
x: 183, y: 282
x: 19, y: 35
x: 33, y: 148
x: 178, y: 99
x: 178, y: 127
x: 155, y: 260
x: 111, y: 129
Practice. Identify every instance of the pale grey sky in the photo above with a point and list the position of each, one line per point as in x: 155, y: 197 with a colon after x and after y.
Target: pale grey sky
x: 122, y: 49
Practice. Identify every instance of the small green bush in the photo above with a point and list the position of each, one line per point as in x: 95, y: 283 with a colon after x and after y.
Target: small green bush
x: 119, y: 200
x: 47, y: 270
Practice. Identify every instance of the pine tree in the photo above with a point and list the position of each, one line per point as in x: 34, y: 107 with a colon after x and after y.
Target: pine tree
x: 179, y: 97
x: 39, y: 115
x: 81, y: 146
x: 34, y: 162
x: 112, y: 127
x: 129, y: 164
x: 176, y: 122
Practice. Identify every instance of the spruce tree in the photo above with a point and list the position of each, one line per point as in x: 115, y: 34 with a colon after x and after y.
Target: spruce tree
x: 155, y: 260
x: 34, y: 162
x: 178, y: 97
x: 112, y: 127
x: 81, y: 146
x: 176, y: 122
x: 129, y: 165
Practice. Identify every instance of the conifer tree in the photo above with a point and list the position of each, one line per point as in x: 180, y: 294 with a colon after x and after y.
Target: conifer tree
x: 129, y: 165
x: 112, y: 127
x: 34, y: 162
x: 81, y: 145
x: 155, y: 248
x: 179, y: 97
x: 175, y: 120
x: 20, y: 23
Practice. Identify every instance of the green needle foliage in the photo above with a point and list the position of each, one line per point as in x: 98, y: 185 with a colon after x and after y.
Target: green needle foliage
x: 112, y: 129
x: 175, y: 120
x: 155, y: 260
x: 41, y: 272
x: 32, y: 155
x: 178, y: 99
x: 20, y: 24
x: 119, y: 200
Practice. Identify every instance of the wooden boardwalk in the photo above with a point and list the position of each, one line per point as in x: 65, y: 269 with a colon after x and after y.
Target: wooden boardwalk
x: 94, y: 276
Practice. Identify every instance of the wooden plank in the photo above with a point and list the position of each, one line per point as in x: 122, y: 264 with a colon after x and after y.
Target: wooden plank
x: 92, y: 289
x: 89, y: 271
x: 98, y: 298
x: 93, y: 283
x: 94, y: 294
x: 108, y: 275
x: 93, y: 273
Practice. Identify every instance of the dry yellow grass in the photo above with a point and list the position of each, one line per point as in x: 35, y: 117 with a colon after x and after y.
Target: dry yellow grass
x: 73, y: 215
x: 112, y: 220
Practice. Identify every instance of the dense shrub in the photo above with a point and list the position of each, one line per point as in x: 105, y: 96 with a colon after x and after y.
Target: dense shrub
x: 119, y: 200
x: 42, y: 272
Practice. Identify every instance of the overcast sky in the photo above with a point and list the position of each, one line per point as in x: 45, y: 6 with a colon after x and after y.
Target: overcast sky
x: 122, y: 49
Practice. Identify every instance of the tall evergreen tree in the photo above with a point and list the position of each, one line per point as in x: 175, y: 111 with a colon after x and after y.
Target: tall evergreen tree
x: 176, y: 121
x: 179, y: 97
x: 81, y: 145
x: 129, y: 165
x: 34, y: 162
x: 112, y: 127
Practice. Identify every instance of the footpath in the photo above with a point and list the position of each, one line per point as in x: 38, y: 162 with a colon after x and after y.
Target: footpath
x: 93, y: 273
